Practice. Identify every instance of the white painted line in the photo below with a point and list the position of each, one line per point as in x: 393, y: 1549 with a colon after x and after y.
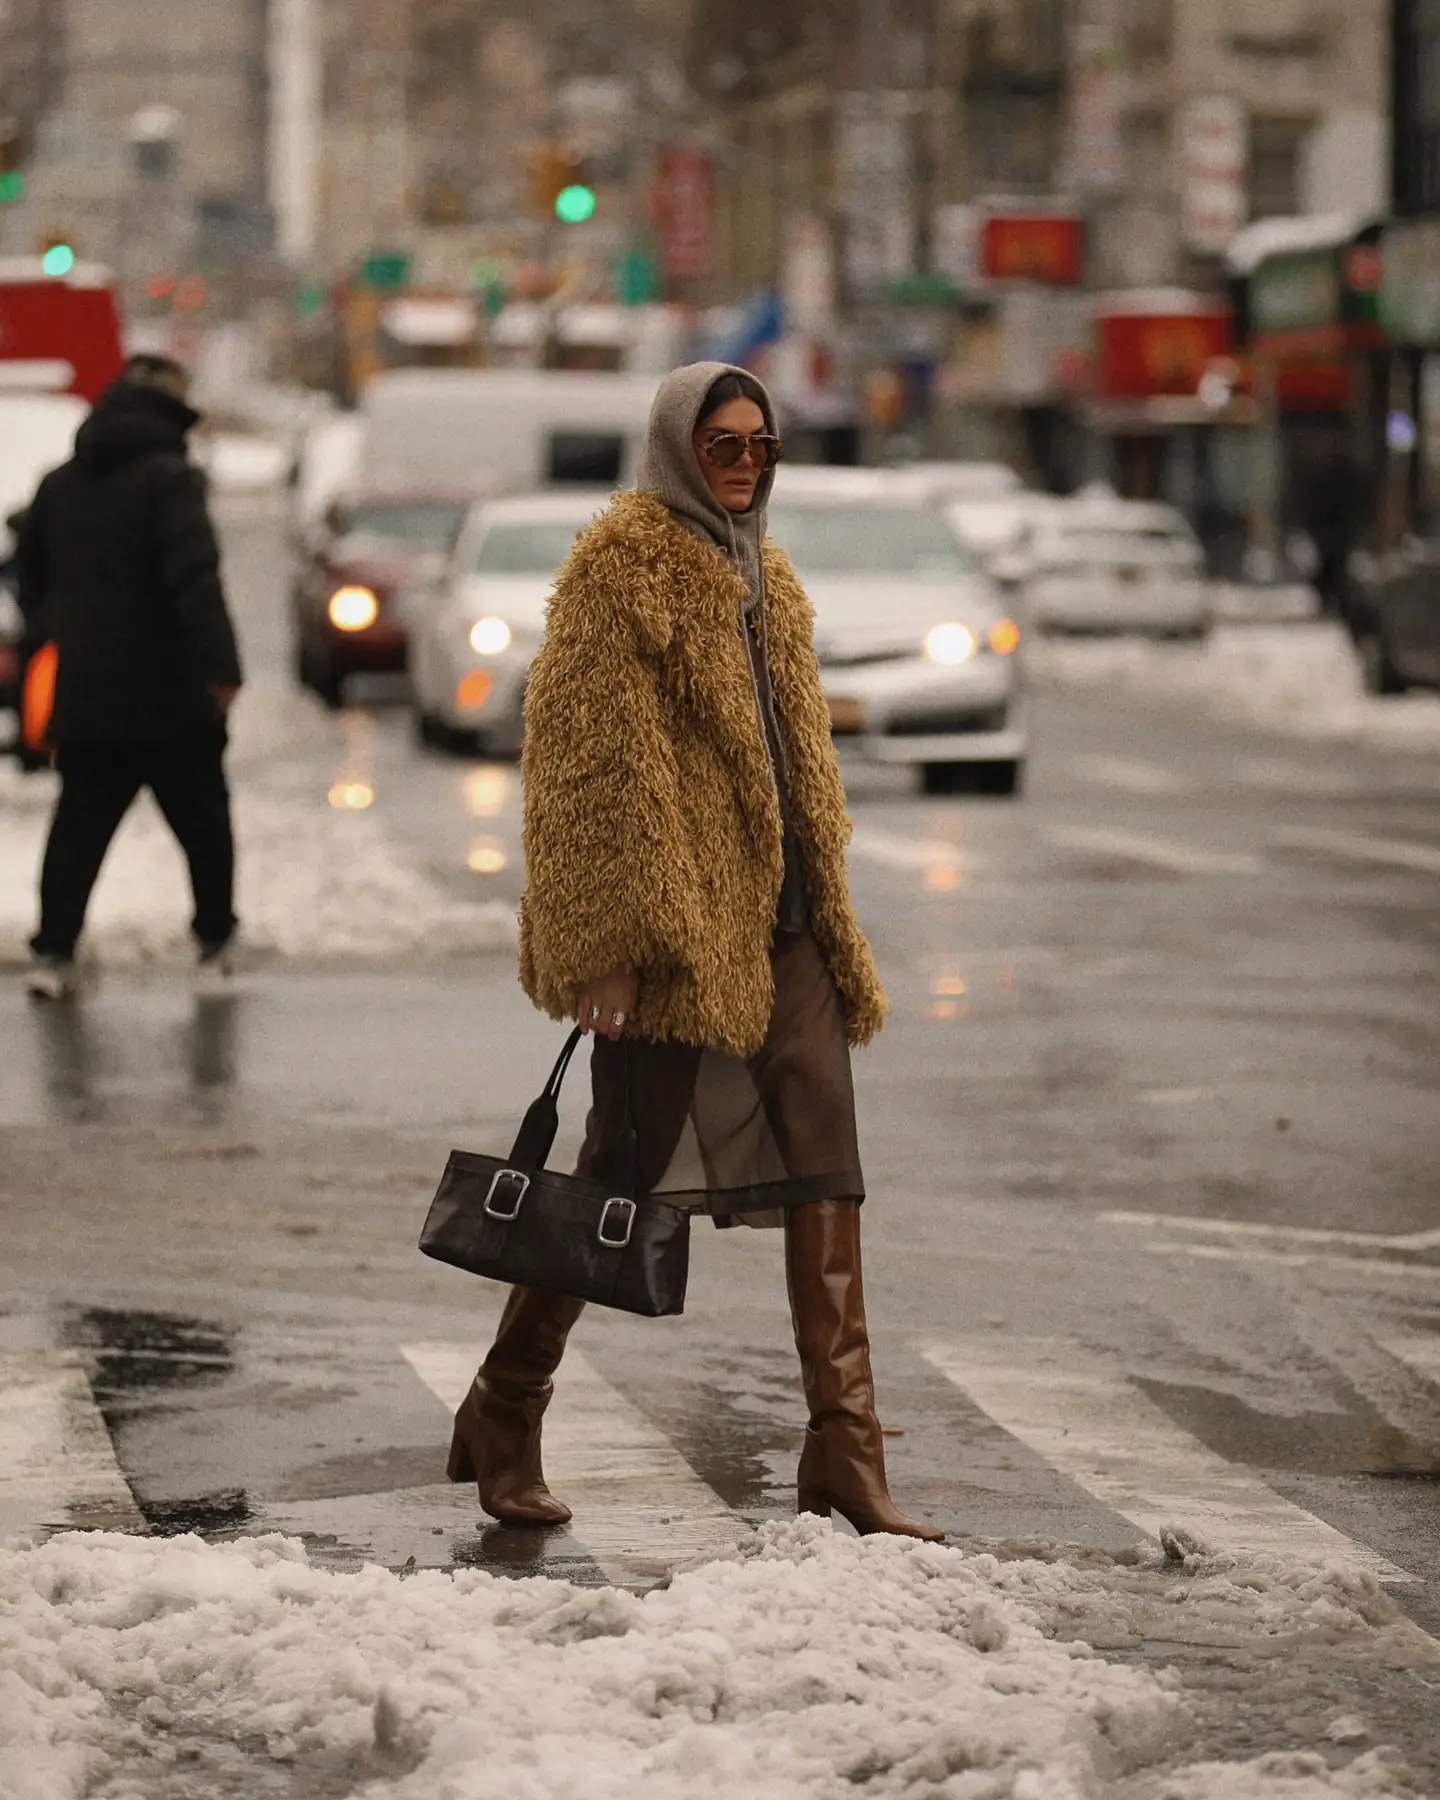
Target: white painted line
x: 57, y: 1464
x: 1159, y: 853
x: 896, y: 852
x: 1108, y: 1438
x: 1132, y: 777
x: 1391, y: 853
x: 1422, y: 1354
x: 640, y: 1509
x: 1297, y: 1234
x: 1299, y: 1259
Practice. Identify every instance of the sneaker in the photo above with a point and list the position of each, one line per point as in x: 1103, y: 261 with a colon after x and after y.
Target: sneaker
x: 52, y: 978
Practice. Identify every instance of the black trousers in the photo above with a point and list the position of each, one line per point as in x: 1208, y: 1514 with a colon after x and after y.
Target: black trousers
x: 99, y: 783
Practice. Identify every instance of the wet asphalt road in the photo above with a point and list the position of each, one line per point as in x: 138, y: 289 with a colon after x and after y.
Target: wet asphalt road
x: 1156, y: 1107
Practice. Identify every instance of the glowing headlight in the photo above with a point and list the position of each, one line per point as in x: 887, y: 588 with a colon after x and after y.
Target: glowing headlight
x: 488, y: 637
x: 353, y: 608
x: 950, y: 643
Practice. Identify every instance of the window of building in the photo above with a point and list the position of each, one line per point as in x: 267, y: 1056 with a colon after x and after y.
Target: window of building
x: 1275, y: 147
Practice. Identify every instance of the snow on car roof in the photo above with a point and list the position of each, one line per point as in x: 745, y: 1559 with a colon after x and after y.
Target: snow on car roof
x: 580, y: 503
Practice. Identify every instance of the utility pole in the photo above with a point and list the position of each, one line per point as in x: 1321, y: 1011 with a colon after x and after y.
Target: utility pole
x: 295, y: 126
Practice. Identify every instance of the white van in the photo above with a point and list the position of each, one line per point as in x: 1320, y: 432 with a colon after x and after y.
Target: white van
x: 520, y: 428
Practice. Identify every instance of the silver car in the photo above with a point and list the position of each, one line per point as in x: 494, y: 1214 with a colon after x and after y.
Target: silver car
x: 473, y: 639
x: 1101, y: 564
x: 918, y: 658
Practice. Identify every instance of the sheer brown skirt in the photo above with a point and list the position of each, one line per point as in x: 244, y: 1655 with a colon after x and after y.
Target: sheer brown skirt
x: 739, y: 1139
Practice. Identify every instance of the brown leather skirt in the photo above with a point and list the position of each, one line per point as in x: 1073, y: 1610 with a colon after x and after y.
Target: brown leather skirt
x: 741, y: 1140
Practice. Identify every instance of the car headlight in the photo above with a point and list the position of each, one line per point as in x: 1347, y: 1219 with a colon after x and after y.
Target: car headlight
x: 353, y: 608
x: 950, y: 643
x: 1004, y: 637
x: 488, y: 637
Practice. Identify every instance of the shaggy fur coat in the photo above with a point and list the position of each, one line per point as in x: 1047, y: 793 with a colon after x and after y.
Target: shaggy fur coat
x: 652, y: 822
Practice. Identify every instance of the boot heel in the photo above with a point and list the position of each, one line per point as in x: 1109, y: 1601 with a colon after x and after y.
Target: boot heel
x: 461, y: 1464
x: 811, y: 1500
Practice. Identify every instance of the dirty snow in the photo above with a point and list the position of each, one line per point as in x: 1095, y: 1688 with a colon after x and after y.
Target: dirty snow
x: 1301, y: 680
x: 311, y: 881
x: 801, y: 1668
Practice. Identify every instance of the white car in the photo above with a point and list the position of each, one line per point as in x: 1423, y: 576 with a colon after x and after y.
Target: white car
x: 1101, y: 564
x: 918, y: 658
x: 473, y: 638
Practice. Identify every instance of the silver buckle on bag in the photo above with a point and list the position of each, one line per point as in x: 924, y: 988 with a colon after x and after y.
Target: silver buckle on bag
x: 616, y: 1243
x: 499, y: 1212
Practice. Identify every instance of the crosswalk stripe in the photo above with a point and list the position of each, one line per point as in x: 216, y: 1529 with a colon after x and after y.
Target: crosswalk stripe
x: 57, y: 1465
x: 1132, y: 777
x: 1391, y: 853
x: 1107, y: 1437
x: 1159, y: 853
x: 1290, y: 1234
x: 640, y: 1509
x: 1299, y: 1259
x: 893, y: 851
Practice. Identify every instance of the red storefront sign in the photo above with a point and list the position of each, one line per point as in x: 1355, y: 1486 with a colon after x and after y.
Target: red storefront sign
x: 1141, y: 356
x: 685, y: 212
x: 71, y: 323
x: 1044, y: 247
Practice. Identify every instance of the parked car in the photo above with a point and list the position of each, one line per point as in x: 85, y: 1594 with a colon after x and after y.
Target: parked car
x: 473, y: 641
x: 918, y: 658
x: 368, y: 547
x: 1394, y: 615
x: 1098, y: 563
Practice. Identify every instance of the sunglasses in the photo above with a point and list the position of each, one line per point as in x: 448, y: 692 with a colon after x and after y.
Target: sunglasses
x: 727, y: 447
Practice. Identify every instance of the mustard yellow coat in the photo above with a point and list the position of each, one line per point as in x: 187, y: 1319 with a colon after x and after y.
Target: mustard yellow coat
x: 652, y: 823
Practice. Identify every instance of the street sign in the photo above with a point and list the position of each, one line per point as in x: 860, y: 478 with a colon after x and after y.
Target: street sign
x: 385, y: 269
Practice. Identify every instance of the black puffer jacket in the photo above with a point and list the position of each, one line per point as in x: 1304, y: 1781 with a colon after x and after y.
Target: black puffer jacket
x: 118, y: 563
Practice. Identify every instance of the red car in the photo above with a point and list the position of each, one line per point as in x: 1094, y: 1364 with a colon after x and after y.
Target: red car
x: 370, y: 545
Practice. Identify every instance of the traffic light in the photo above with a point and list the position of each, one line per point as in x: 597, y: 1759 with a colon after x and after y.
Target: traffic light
x: 12, y: 157
x: 57, y: 255
x: 555, y: 172
x: 575, y: 203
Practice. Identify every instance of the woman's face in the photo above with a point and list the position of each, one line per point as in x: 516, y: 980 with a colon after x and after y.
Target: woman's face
x: 734, y: 487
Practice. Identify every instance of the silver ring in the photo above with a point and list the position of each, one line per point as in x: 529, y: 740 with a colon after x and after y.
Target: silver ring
x: 594, y: 1014
x: 617, y: 1018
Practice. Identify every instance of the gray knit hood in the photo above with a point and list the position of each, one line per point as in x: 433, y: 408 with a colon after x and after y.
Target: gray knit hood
x: 670, y: 469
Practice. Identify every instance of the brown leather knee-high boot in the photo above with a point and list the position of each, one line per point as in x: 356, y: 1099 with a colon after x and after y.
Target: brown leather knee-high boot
x: 842, y: 1466
x: 497, y: 1429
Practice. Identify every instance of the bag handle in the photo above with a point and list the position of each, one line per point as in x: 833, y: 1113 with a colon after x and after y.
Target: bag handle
x: 536, y: 1137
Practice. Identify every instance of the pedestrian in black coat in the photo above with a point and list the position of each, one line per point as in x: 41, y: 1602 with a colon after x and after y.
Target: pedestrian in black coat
x: 119, y: 566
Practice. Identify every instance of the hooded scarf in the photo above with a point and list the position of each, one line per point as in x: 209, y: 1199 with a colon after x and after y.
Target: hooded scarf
x: 670, y: 468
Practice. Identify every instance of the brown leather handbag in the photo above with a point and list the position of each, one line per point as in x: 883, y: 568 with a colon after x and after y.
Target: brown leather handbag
x: 513, y: 1220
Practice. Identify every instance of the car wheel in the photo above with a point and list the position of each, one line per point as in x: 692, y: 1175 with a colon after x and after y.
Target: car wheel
x: 1377, y: 671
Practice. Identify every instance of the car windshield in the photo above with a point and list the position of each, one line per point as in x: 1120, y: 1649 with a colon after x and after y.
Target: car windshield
x: 428, y: 524
x: 1111, y: 543
x: 526, y: 546
x: 868, y: 540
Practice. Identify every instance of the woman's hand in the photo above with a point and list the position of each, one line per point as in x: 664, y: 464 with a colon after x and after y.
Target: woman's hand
x: 608, y: 1003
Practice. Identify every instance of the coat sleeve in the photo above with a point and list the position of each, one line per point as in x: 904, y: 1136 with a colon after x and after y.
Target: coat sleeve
x: 190, y: 574
x: 31, y: 582
x: 606, y: 855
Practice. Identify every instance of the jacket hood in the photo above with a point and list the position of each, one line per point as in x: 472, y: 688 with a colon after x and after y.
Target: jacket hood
x: 130, y: 420
x: 670, y: 468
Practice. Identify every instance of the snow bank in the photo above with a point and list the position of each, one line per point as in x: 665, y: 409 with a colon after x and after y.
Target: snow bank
x: 803, y: 1668
x: 312, y: 882
x: 1301, y: 680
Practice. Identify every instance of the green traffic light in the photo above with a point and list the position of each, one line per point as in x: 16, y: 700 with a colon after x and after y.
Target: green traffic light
x: 59, y: 259
x: 575, y: 204
x: 12, y: 185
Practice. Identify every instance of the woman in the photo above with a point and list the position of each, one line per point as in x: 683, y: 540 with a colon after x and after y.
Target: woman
x: 684, y: 833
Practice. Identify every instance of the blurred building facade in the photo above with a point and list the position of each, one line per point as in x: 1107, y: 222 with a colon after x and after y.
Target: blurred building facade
x: 144, y: 129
